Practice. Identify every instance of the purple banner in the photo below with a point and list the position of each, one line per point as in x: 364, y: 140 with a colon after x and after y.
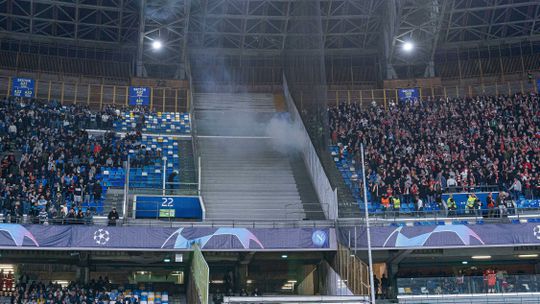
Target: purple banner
x: 99, y: 237
x: 438, y: 236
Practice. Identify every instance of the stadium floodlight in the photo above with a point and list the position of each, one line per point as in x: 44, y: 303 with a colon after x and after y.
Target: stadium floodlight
x: 157, y: 45
x: 481, y: 257
x: 407, y: 46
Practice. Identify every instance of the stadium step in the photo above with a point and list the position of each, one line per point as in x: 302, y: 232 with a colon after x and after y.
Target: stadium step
x: 114, y: 198
x: 244, y: 176
x: 305, y: 187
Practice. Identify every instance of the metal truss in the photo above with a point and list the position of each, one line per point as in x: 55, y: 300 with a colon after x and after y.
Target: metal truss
x: 165, y: 21
x: 112, y: 22
x: 489, y: 21
x: 439, y: 25
x: 417, y: 22
x: 261, y: 28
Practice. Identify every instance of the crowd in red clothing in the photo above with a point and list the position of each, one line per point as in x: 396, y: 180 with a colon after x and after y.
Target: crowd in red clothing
x: 420, y: 149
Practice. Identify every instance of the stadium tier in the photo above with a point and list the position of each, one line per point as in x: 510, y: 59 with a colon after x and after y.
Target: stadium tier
x: 67, y: 170
x: 427, y: 156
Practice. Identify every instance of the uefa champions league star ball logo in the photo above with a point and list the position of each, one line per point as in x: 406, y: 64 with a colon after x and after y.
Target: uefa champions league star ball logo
x: 101, y: 236
x: 536, y: 232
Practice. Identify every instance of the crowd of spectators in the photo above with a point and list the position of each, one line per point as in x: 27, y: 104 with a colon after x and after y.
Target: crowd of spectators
x: 96, y: 291
x: 51, y: 166
x: 417, y: 150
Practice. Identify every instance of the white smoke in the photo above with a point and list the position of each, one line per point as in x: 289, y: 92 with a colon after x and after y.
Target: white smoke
x: 286, y: 136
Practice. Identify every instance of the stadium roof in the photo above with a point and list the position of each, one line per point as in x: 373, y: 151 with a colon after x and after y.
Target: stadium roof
x: 260, y: 27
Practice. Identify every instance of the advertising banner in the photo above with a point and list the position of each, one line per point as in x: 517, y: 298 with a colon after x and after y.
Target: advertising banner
x: 450, y: 236
x: 139, y: 96
x: 22, y: 87
x: 162, y: 238
x: 409, y: 95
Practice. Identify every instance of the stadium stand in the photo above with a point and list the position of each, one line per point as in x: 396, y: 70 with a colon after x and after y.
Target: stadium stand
x: 66, y: 173
x: 422, y: 150
x: 100, y: 290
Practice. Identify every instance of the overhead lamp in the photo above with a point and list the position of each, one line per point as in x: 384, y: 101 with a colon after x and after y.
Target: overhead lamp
x: 407, y: 46
x: 157, y: 45
x: 481, y: 257
x: 527, y: 256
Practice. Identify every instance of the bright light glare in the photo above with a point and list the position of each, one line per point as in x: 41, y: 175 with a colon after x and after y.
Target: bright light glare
x: 156, y: 45
x: 408, y: 46
x: 481, y: 257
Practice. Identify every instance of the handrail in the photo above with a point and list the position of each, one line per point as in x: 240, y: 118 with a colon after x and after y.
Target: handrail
x: 171, y: 223
x: 394, y: 217
x: 469, y: 285
x: 312, y: 157
x: 199, y: 176
x: 324, y: 208
x: 194, y: 130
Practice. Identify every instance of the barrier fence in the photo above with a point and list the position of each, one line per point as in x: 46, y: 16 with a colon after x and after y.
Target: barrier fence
x: 163, y: 99
x: 200, y: 275
x: 386, y: 96
x: 503, y: 283
x: 323, y: 187
x: 353, y: 271
x: 96, y: 96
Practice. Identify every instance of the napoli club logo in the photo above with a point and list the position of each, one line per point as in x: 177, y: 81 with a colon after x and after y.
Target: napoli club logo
x: 101, y: 237
x: 536, y: 232
x: 319, y: 238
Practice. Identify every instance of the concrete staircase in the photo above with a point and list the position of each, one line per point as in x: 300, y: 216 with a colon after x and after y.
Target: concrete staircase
x: 187, y: 174
x: 114, y: 198
x: 244, y: 176
x: 247, y: 179
x: 233, y: 114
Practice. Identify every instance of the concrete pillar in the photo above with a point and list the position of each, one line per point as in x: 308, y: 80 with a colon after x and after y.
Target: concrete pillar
x: 242, y: 273
x: 82, y: 274
x: 392, y: 279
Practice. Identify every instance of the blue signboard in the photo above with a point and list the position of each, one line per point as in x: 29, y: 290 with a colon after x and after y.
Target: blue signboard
x: 409, y: 95
x: 187, y: 207
x: 139, y: 96
x: 538, y: 85
x: 22, y: 87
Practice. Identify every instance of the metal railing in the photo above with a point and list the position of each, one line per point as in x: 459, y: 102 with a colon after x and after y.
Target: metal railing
x: 438, y: 217
x: 293, y: 209
x: 386, y: 96
x: 353, y: 271
x: 97, y: 96
x: 173, y: 223
x: 503, y: 283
